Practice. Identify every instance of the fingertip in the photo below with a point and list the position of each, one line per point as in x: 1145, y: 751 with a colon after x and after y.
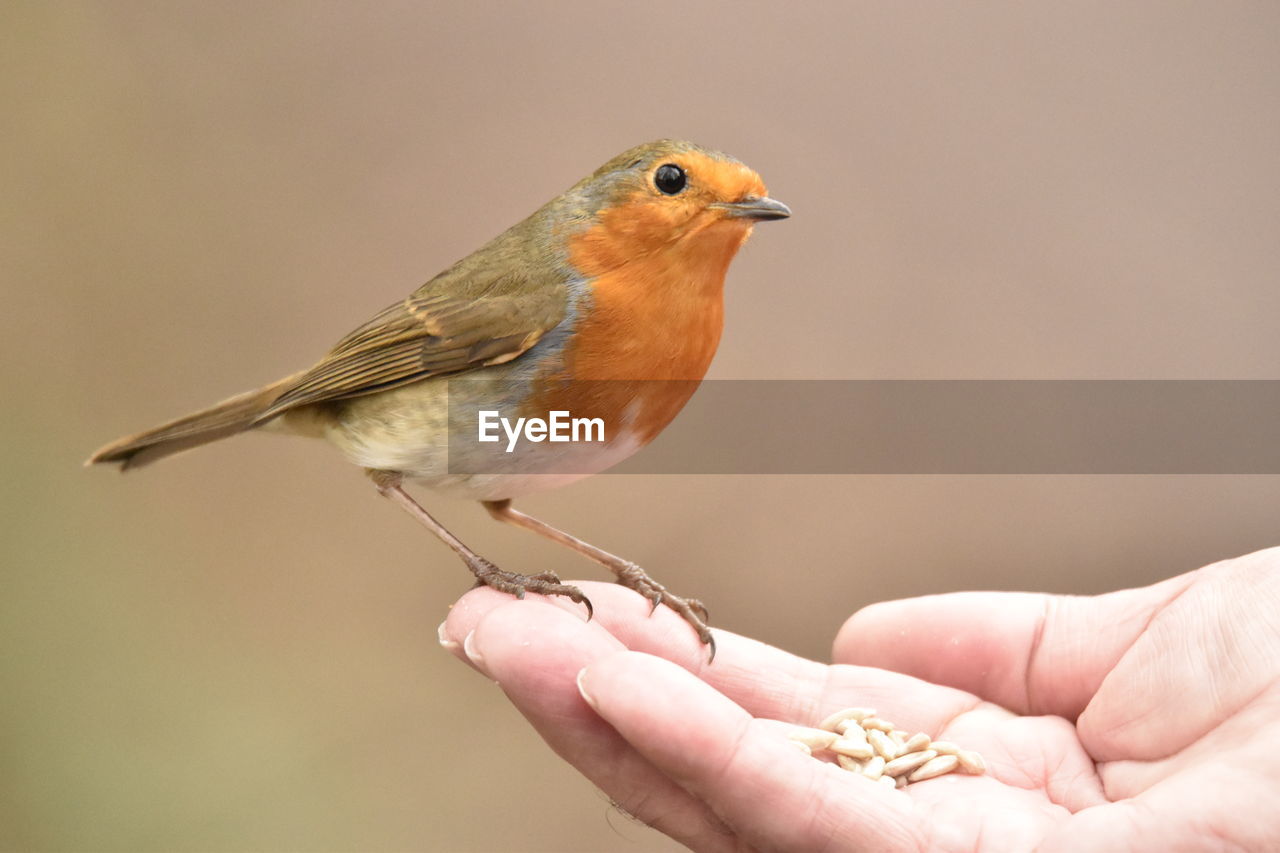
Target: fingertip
x: 446, y: 641
x: 870, y: 632
x: 472, y: 652
x: 470, y: 608
x: 475, y: 604
x: 634, y: 689
x: 583, y: 691
x: 606, y: 672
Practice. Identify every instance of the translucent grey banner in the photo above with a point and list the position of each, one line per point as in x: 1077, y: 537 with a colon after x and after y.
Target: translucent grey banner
x: 867, y: 427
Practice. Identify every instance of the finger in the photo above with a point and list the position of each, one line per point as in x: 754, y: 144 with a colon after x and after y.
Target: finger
x: 1031, y: 653
x: 766, y: 681
x: 465, y: 614
x: 768, y: 792
x: 535, y: 650
x: 616, y: 608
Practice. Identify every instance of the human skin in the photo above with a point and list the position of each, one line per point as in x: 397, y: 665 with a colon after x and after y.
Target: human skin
x: 1145, y: 719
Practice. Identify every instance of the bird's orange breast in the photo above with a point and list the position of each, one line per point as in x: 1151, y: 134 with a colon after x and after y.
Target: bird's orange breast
x: 652, y: 319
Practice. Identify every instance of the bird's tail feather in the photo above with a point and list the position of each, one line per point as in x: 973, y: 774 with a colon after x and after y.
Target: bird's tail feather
x: 221, y: 420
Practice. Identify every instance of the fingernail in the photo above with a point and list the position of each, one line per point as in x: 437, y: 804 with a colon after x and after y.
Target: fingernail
x: 582, y: 688
x: 473, y: 654
x: 445, y: 640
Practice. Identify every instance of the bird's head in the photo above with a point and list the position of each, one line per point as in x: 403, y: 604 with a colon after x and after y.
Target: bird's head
x: 666, y: 198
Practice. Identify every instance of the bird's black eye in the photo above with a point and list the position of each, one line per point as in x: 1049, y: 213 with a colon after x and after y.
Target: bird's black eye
x: 670, y: 178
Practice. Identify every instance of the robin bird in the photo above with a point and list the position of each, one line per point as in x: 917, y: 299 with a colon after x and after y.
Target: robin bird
x: 619, y: 278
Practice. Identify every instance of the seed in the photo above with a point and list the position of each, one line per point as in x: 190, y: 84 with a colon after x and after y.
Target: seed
x: 851, y: 729
x: 861, y: 742
x: 906, y: 763
x: 882, y: 744
x: 838, y: 717
x: 933, y: 767
x: 853, y: 748
x: 915, y: 743
x: 971, y: 762
x: 813, y: 738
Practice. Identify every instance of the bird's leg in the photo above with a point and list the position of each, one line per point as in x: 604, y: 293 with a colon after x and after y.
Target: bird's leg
x: 628, y: 573
x: 487, y: 574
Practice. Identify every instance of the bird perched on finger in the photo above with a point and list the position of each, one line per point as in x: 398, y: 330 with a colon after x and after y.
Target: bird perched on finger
x: 607, y: 300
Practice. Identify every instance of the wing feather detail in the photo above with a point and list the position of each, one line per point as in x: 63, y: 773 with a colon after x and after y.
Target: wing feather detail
x: 425, y: 335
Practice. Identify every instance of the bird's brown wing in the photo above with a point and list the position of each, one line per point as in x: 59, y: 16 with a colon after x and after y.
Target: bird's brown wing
x: 425, y: 335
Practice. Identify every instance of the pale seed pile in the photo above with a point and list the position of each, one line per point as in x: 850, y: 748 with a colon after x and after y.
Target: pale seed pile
x: 863, y: 743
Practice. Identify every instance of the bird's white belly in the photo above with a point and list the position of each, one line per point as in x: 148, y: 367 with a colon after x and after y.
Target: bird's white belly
x: 409, y: 432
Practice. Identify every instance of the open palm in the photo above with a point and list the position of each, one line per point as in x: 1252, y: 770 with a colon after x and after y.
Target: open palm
x: 1141, y: 719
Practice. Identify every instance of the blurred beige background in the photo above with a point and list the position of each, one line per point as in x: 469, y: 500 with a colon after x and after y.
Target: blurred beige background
x: 235, y: 650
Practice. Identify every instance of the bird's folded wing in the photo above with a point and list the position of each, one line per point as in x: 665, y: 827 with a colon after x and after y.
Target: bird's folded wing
x: 424, y: 335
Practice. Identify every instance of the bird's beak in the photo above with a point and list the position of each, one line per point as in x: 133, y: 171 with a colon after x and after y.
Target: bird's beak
x: 755, y: 207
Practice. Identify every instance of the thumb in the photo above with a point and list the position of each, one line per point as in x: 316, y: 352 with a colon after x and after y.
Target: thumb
x: 1032, y: 653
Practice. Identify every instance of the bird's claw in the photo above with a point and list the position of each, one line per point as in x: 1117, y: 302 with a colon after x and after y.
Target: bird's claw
x: 514, y: 583
x: 690, y: 609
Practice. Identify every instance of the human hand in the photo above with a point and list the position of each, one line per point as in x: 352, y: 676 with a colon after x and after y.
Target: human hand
x: 1140, y: 719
